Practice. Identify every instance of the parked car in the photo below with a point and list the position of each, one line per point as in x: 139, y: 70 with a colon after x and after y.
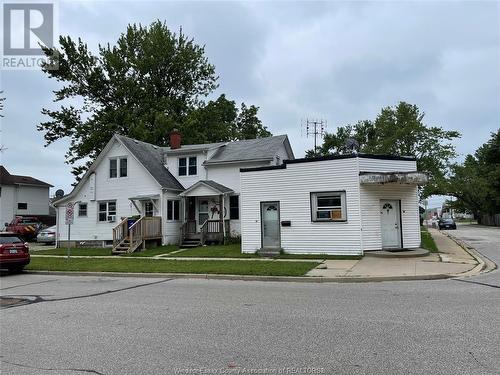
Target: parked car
x: 47, y: 235
x: 14, y: 252
x: 447, y: 224
x: 27, y: 227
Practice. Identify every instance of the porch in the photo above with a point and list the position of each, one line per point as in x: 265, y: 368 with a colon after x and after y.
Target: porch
x: 133, y: 232
x: 205, y: 216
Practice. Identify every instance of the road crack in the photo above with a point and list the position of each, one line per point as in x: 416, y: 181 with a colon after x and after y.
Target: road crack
x: 40, y: 299
x: 88, y: 371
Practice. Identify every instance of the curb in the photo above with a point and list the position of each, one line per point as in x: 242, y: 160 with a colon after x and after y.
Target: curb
x: 299, y: 279
x: 484, y: 265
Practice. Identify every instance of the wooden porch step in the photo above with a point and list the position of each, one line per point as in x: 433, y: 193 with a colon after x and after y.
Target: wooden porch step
x: 190, y: 243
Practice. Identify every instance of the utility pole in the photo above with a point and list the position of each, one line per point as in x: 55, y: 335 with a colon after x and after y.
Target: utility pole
x: 314, y: 128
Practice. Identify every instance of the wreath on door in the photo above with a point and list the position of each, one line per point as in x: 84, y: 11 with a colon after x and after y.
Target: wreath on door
x: 215, y: 209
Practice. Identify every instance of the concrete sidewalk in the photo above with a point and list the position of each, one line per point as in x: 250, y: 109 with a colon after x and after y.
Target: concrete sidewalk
x: 452, y: 260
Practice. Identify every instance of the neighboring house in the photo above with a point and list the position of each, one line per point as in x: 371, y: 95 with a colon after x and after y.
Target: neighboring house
x: 177, y: 192
x: 341, y: 205
x: 22, y: 196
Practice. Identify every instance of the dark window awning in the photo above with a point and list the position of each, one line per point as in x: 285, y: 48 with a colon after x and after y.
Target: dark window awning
x: 413, y: 178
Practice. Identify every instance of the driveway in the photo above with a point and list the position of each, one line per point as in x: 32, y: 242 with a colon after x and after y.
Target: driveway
x: 108, y: 325
x: 486, y: 240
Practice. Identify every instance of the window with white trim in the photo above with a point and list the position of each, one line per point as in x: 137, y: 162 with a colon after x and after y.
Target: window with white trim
x: 328, y: 206
x: 188, y: 166
x: 107, y: 211
x: 118, y: 167
x: 173, y: 209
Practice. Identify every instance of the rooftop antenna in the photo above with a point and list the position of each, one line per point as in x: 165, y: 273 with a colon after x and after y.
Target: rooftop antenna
x: 314, y: 128
x: 352, y: 145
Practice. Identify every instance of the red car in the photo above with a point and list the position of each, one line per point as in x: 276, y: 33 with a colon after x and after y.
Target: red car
x: 14, y: 253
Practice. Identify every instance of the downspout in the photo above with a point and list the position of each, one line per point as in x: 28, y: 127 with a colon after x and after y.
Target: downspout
x: 359, y: 207
x: 57, y: 227
x: 163, y: 227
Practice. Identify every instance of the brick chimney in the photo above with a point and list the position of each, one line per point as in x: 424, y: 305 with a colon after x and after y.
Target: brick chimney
x: 175, y: 139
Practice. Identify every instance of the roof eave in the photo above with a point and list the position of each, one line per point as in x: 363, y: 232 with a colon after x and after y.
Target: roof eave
x: 241, y: 161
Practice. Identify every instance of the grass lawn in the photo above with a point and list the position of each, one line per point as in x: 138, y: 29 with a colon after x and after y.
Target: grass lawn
x: 234, y: 251
x: 82, y: 251
x: 216, y: 251
x: 427, y: 242
x: 228, y: 267
x: 154, y: 251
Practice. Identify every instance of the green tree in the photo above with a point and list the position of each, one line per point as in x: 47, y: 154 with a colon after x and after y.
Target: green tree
x: 222, y: 121
x: 150, y: 82
x: 476, y: 182
x: 400, y: 130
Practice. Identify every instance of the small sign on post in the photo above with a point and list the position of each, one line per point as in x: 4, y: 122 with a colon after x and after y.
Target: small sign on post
x: 70, y: 215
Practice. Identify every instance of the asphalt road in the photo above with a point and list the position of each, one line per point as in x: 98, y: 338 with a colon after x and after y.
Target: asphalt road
x: 91, y: 325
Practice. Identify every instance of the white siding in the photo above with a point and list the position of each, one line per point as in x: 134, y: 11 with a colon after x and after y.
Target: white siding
x: 370, y: 203
x: 187, y: 181
x: 36, y: 197
x: 292, y: 187
x: 7, y: 204
x: 382, y: 165
x: 137, y: 182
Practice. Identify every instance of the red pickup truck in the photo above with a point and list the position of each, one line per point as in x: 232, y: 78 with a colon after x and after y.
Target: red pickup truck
x: 26, y: 227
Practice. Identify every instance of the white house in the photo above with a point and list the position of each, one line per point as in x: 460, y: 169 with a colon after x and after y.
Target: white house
x: 342, y: 205
x: 22, y: 196
x: 182, y: 193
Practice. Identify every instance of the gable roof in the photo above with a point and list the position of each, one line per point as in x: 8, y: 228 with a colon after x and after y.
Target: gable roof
x: 250, y: 150
x: 221, y: 189
x: 151, y: 157
x: 9, y: 179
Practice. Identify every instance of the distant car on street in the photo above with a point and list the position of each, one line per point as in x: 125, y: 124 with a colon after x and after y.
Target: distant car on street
x: 14, y: 252
x: 47, y: 235
x: 447, y: 224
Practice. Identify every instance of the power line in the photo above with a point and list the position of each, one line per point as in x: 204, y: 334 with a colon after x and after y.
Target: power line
x: 314, y: 128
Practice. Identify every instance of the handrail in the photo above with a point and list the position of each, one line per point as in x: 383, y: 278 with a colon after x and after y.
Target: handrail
x: 120, y: 232
x: 203, y: 230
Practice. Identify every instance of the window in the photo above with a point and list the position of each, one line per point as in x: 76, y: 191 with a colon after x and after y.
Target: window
x: 182, y: 167
x: 192, y: 166
x: 149, y: 209
x: 113, y: 168
x: 234, y: 207
x: 328, y: 206
x: 123, y: 167
x: 82, y: 209
x: 173, y: 210
x: 188, y: 166
x: 22, y: 206
x: 107, y: 211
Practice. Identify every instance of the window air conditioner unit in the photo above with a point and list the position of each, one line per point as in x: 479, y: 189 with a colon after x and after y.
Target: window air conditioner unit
x: 112, y: 218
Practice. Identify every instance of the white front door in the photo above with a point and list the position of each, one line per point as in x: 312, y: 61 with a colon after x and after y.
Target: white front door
x: 269, y: 212
x: 390, y: 224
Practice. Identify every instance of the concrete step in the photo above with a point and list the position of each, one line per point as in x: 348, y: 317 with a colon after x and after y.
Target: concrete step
x: 268, y: 252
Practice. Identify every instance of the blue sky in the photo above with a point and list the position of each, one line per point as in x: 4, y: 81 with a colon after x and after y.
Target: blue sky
x: 338, y: 61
